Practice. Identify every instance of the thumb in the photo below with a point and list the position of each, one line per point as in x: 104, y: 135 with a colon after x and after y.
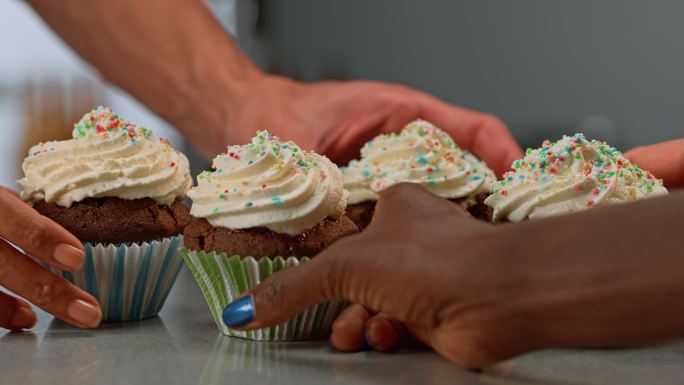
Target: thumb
x: 665, y: 160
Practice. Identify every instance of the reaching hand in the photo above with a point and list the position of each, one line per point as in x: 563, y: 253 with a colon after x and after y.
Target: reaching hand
x: 337, y: 118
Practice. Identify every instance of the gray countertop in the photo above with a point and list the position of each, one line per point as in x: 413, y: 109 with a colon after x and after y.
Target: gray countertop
x: 183, y: 346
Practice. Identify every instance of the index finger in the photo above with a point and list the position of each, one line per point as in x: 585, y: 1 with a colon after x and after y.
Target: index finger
x: 37, y: 235
x: 484, y: 135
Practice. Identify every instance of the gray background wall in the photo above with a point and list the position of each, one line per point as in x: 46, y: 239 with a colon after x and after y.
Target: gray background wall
x: 611, y: 68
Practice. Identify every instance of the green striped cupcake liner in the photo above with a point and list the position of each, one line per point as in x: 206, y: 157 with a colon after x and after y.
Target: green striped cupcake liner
x: 224, y: 278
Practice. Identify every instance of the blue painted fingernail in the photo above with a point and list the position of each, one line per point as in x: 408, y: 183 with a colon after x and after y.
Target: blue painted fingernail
x: 239, y: 312
x: 369, y: 343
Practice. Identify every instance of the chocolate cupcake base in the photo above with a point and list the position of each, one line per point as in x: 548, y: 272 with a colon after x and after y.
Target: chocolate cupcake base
x: 261, y: 242
x: 116, y: 220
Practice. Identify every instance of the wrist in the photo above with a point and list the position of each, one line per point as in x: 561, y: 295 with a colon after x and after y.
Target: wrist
x: 217, y: 77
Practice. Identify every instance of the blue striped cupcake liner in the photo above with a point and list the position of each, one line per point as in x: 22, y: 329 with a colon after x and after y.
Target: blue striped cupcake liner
x: 132, y: 281
x: 224, y: 278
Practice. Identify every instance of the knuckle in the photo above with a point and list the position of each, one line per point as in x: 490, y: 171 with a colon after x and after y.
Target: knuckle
x: 32, y: 233
x: 403, y: 193
x: 492, y: 121
x: 399, y: 190
x: 399, y: 88
x: 47, y: 289
x: 272, y: 296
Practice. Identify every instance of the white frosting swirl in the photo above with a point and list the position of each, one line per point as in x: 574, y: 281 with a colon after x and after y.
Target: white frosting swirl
x: 421, y: 153
x: 567, y: 176
x: 269, y: 184
x: 107, y: 157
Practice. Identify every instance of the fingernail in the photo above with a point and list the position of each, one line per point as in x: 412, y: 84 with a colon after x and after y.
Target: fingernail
x: 23, y: 318
x: 84, y: 313
x: 369, y: 342
x: 239, y: 312
x: 69, y: 256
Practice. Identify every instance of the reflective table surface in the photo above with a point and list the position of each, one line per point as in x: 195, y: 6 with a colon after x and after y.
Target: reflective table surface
x: 183, y: 346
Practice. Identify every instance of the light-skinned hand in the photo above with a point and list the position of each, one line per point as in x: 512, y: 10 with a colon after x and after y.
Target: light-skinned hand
x: 44, y: 239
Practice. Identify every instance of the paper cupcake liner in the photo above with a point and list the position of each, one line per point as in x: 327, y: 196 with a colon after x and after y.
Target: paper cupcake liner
x: 223, y: 278
x: 131, y: 282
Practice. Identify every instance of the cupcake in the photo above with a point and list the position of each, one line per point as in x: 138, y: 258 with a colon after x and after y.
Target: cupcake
x: 421, y: 153
x: 118, y: 188
x: 567, y: 176
x: 266, y: 206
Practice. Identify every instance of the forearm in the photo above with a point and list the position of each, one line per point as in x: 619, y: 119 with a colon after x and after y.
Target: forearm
x: 172, y: 55
x: 610, y: 276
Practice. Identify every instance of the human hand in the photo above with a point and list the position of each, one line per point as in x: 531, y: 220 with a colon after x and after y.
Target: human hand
x: 421, y: 262
x: 665, y: 160
x: 337, y: 118
x: 479, y: 293
x: 45, y: 240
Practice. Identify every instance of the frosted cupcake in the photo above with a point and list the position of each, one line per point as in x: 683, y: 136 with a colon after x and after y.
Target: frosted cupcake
x: 265, y: 206
x: 118, y: 188
x: 567, y: 176
x: 421, y: 153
